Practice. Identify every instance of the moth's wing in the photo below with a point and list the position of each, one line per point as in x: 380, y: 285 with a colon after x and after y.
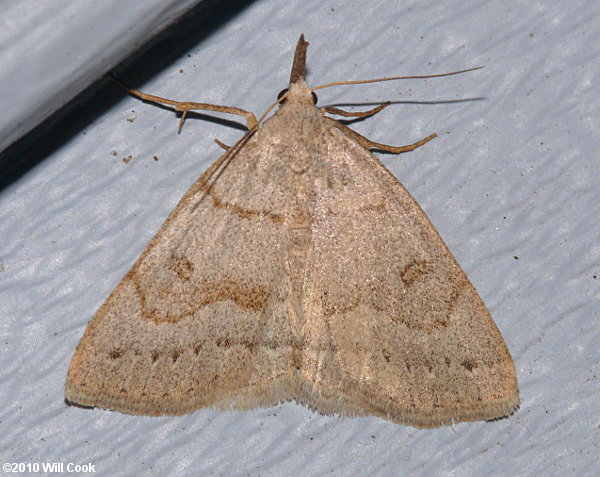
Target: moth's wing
x: 393, y: 325
x: 201, y: 318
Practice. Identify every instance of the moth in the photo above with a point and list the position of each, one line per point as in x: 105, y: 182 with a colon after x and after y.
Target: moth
x: 297, y: 268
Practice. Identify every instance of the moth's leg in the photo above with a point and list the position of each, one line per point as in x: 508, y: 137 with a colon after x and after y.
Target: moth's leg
x: 185, y: 106
x: 368, y: 144
x: 224, y: 146
x: 349, y: 114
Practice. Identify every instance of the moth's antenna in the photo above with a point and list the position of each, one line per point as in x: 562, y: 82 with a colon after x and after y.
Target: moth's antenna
x: 392, y: 78
x: 264, y: 115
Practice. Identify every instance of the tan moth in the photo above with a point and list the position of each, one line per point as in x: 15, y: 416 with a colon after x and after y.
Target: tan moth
x: 297, y: 267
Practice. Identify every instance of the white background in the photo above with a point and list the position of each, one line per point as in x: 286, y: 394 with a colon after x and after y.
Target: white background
x: 51, y: 51
x: 514, y: 173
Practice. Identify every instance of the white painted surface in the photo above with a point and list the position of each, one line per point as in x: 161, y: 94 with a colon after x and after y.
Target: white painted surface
x: 51, y: 51
x: 515, y: 174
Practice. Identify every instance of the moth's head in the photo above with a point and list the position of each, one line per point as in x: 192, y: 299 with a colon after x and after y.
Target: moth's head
x: 297, y: 91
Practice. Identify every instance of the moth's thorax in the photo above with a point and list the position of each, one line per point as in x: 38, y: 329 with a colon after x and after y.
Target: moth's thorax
x: 297, y: 128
